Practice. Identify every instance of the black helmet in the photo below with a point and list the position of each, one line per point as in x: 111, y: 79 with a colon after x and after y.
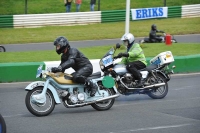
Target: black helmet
x: 63, y: 42
x: 153, y: 27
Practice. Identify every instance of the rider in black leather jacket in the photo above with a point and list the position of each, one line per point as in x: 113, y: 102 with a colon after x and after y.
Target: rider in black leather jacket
x: 72, y: 57
x: 152, y: 35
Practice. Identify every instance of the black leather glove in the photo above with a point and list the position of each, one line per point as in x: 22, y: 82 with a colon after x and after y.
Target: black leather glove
x: 162, y: 31
x: 115, y: 57
x: 123, y: 54
x: 56, y: 69
x: 65, y: 4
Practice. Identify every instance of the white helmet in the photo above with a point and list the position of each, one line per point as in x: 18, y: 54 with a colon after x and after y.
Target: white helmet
x: 129, y: 37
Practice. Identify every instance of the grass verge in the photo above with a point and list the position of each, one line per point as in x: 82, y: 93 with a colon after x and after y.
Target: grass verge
x: 98, y: 31
x: 150, y: 50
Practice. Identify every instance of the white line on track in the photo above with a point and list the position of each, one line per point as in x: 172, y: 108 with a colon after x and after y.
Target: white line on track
x: 153, y: 128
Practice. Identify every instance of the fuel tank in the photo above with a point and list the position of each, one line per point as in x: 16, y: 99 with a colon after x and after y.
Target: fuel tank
x: 62, y: 78
x: 120, y: 69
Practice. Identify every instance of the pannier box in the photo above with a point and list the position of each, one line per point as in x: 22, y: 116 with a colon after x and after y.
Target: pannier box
x: 163, y: 58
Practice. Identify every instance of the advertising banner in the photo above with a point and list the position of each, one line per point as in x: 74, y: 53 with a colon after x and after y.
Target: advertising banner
x: 148, y: 13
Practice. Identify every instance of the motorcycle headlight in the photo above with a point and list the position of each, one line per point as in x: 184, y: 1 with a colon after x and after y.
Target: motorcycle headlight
x: 102, y: 67
x: 44, y: 75
x: 101, y: 64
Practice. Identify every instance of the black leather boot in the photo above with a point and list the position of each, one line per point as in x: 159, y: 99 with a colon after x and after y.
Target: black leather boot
x: 140, y: 83
x: 93, y: 88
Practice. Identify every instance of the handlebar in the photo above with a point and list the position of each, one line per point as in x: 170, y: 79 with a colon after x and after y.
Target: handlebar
x: 116, y: 57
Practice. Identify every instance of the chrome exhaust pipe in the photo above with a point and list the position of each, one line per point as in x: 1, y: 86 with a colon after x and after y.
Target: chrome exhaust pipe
x: 107, y: 98
x: 155, y: 85
x: 150, y: 86
x: 88, y: 103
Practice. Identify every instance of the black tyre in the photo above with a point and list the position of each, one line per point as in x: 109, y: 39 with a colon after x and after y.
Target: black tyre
x: 104, y: 105
x: 2, y: 49
x: 40, y: 109
x: 2, y: 125
x: 158, y: 92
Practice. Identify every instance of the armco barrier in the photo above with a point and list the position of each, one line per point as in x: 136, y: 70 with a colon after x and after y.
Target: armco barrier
x: 34, y: 20
x: 174, y: 11
x: 77, y: 18
x: 15, y: 72
x: 6, y: 21
x: 189, y: 11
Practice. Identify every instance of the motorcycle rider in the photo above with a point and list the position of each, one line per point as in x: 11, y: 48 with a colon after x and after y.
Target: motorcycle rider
x: 72, y: 57
x: 152, y: 35
x: 133, y: 58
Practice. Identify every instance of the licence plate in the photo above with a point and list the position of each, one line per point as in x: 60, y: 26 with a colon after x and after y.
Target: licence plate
x: 107, y: 60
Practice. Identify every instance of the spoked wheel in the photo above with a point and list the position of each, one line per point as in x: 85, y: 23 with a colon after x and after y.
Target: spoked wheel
x: 2, y: 49
x: 104, y: 105
x: 2, y: 125
x: 40, y: 109
x: 158, y: 92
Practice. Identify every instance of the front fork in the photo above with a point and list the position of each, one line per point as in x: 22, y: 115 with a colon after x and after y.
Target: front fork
x: 41, y: 98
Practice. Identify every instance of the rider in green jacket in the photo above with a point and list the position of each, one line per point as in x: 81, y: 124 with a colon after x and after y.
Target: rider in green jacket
x: 133, y: 58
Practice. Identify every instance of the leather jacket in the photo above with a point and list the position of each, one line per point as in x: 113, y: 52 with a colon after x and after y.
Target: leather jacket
x: 153, y: 37
x: 75, y: 59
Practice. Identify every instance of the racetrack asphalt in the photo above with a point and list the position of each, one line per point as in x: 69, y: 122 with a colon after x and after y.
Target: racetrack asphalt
x: 194, y: 38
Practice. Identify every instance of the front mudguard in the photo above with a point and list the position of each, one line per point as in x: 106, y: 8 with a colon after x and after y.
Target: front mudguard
x: 32, y: 85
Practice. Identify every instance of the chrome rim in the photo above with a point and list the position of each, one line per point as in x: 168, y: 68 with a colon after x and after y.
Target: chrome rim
x: 106, y: 102
x: 42, y: 107
x: 159, y: 90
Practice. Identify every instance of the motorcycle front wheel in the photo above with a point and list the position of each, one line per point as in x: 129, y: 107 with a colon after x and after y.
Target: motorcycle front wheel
x: 104, y: 105
x: 157, y: 92
x: 40, y: 109
x: 2, y: 125
x: 2, y: 49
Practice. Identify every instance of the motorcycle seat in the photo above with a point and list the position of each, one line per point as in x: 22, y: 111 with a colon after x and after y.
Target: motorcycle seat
x: 94, y: 75
x: 150, y: 67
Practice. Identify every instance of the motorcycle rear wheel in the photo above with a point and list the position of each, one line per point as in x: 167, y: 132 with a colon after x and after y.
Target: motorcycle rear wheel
x: 104, y: 105
x: 40, y: 109
x: 2, y: 49
x: 158, y: 92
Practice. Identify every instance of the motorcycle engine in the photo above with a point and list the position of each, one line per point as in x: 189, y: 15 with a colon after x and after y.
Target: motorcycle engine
x: 73, y: 97
x: 128, y: 80
x: 76, y: 98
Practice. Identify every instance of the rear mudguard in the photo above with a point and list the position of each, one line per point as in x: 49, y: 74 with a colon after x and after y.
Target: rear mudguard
x: 166, y: 76
x: 32, y: 85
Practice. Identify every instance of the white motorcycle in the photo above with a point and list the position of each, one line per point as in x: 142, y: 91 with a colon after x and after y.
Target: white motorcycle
x: 155, y: 77
x: 42, y: 96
